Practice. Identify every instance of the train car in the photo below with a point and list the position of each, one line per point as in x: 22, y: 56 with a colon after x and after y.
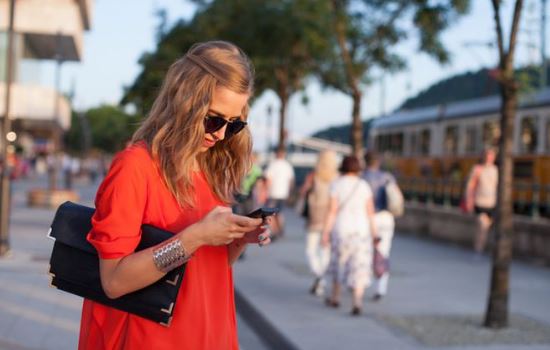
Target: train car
x: 432, y: 149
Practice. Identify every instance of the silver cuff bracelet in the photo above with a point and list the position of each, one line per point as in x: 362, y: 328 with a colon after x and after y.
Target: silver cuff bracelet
x: 170, y: 255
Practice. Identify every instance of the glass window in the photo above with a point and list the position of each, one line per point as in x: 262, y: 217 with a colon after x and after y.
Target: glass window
x: 471, y: 140
x: 450, y: 143
x: 413, y: 147
x: 383, y: 143
x: 491, y: 134
x: 548, y: 136
x: 425, y: 142
x: 528, y: 135
x: 397, y: 143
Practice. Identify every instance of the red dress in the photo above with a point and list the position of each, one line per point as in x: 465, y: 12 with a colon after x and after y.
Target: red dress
x: 133, y: 193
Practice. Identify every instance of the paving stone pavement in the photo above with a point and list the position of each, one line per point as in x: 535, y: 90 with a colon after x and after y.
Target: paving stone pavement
x: 429, y: 280
x: 436, y: 300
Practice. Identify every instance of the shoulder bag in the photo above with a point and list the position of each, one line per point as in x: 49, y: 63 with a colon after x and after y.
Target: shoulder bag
x: 74, y: 267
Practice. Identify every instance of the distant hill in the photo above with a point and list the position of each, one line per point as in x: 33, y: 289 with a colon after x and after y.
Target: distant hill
x: 341, y: 133
x: 460, y: 87
x: 457, y: 88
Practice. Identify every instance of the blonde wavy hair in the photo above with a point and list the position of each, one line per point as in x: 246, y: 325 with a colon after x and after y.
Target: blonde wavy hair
x: 174, y: 129
x: 326, y: 168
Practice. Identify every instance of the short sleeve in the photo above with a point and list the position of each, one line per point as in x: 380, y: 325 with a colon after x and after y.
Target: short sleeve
x: 365, y: 189
x: 269, y: 171
x: 390, y: 178
x: 120, y: 205
x: 290, y: 172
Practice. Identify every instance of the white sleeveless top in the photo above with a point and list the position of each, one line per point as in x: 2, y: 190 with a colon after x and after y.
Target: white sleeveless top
x: 352, y: 194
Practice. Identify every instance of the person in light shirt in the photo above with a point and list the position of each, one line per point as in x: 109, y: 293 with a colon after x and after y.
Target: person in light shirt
x: 280, y: 181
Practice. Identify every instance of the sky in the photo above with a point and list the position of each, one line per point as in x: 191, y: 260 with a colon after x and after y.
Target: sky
x: 123, y: 30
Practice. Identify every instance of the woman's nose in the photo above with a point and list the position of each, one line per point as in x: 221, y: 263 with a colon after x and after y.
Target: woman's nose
x: 220, y: 134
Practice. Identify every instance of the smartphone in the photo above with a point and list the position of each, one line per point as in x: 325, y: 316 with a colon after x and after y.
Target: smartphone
x: 262, y: 213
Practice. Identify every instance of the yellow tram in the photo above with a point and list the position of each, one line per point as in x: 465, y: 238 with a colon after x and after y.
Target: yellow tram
x: 432, y: 149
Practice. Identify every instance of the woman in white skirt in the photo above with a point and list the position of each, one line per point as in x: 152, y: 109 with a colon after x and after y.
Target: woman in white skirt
x: 349, y: 228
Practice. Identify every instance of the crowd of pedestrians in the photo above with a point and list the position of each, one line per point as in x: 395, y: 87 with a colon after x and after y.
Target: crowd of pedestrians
x: 347, y: 223
x: 349, y: 220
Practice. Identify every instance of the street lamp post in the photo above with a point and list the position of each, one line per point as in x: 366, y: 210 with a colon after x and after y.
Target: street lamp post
x: 6, y: 128
x: 269, y: 145
x: 544, y: 65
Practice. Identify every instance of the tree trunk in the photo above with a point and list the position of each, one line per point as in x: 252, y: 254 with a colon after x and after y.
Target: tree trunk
x: 357, y: 126
x: 282, y: 120
x: 356, y: 137
x: 281, y: 75
x: 497, y: 307
x: 496, y: 315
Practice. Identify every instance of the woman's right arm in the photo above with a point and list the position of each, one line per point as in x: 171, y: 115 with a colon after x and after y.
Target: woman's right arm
x: 308, y: 183
x: 471, y: 188
x: 329, y: 221
x: 138, y: 270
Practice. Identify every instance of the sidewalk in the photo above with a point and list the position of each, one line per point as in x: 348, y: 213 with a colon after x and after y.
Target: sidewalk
x: 437, y: 297
x: 34, y: 315
x: 433, y: 285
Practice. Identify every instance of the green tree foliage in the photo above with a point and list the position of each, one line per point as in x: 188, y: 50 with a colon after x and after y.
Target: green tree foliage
x: 365, y: 35
x: 288, y: 42
x: 172, y: 45
x: 285, y: 40
x: 107, y: 127
x: 74, y: 138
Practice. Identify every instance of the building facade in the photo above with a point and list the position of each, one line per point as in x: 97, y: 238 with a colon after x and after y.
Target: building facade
x: 44, y: 30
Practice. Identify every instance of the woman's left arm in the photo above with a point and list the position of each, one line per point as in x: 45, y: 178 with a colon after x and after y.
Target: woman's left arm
x: 235, y: 249
x: 260, y: 236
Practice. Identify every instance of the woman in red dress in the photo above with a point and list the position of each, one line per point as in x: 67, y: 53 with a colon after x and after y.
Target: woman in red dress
x: 179, y: 173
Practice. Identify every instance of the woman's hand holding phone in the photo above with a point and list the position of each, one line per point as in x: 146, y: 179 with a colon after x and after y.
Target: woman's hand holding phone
x: 220, y: 226
x: 262, y: 235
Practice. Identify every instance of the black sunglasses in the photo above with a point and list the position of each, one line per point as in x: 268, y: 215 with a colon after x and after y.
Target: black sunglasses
x: 213, y: 123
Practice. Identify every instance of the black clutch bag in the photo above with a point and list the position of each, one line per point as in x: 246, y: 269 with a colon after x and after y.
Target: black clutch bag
x: 74, y: 267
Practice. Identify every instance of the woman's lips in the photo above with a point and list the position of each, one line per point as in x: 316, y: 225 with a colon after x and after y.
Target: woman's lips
x: 209, y: 143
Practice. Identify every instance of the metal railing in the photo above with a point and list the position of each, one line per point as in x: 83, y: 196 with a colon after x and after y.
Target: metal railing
x: 530, y: 198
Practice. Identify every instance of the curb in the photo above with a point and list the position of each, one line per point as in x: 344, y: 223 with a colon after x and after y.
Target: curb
x: 268, y: 333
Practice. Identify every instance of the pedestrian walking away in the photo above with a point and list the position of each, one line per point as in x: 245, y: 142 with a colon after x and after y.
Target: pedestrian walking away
x: 280, y: 181
x: 481, y: 197
x: 316, y: 193
x: 179, y: 173
x: 349, y: 227
x: 384, y: 220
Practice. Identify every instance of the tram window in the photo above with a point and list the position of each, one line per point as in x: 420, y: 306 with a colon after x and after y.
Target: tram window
x: 383, y: 143
x: 548, y: 136
x: 450, y: 144
x: 413, y: 143
x: 523, y: 169
x: 397, y: 143
x: 528, y: 135
x: 425, y: 142
x: 471, y: 140
x: 491, y: 134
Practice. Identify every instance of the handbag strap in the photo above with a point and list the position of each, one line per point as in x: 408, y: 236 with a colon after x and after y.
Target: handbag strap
x: 346, y: 201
